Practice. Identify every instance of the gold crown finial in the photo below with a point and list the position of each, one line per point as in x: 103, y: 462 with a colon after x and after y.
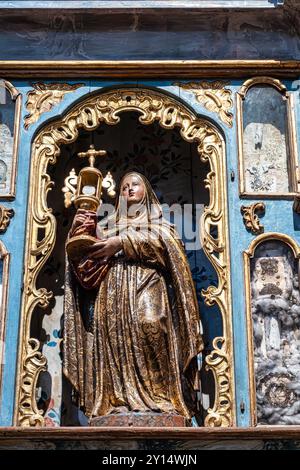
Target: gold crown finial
x: 91, y: 154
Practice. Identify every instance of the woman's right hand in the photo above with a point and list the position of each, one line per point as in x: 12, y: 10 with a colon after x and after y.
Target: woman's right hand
x: 84, y: 222
x: 105, y: 249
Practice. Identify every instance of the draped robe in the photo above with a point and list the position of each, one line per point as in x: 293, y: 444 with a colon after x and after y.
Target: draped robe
x: 138, y: 353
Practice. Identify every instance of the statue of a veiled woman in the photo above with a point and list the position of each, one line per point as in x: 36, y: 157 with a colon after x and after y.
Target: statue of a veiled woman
x: 136, y: 353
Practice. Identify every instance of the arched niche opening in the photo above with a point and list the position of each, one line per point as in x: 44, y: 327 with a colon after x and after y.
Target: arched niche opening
x: 167, y: 150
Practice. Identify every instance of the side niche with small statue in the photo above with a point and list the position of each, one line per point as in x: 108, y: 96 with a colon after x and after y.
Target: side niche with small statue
x: 266, y: 134
x: 10, y: 107
x: 274, y: 331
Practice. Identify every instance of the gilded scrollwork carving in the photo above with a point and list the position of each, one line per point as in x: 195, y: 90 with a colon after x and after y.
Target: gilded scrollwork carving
x: 217, y: 361
x: 44, y: 97
x: 213, y: 96
x: 9, y: 140
x: 251, y: 218
x: 69, y: 188
x: 259, y: 81
x: 5, y: 216
x: 34, y: 363
x: 107, y: 107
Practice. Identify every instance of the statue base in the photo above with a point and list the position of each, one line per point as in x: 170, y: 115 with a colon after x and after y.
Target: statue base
x: 147, y: 420
x: 77, y: 246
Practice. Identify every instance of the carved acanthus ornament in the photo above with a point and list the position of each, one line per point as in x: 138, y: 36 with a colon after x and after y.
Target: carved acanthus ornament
x: 89, y: 114
x: 213, y: 96
x: 44, y: 97
x: 217, y: 361
x: 251, y: 219
x: 33, y: 365
x: 5, y: 216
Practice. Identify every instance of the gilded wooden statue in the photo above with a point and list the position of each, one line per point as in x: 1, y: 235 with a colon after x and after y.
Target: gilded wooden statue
x: 132, y: 357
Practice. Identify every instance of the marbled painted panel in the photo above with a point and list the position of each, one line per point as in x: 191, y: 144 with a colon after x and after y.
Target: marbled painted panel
x: 161, y: 34
x: 265, y: 141
x: 7, y: 117
x: 276, y: 328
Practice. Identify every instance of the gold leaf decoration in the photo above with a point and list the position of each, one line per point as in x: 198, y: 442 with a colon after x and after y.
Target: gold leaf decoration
x: 44, y: 97
x: 5, y: 216
x: 251, y: 219
x: 217, y: 362
x: 34, y: 364
x: 213, y: 96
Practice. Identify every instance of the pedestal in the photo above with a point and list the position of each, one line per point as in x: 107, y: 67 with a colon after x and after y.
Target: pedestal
x: 140, y: 420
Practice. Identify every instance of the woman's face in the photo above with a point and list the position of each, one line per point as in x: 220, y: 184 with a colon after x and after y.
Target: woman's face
x: 133, y: 189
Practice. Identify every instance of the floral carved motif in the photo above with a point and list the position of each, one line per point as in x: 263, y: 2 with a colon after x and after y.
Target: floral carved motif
x: 251, y: 219
x: 213, y: 96
x: 5, y: 216
x: 44, y: 97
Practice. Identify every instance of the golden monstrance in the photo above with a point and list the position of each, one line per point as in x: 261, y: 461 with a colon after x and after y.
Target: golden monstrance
x: 85, y: 191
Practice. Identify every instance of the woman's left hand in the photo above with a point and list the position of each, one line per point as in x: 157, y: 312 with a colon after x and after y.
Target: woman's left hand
x: 104, y: 249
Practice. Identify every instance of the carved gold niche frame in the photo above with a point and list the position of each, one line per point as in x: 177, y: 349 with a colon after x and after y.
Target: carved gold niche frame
x: 291, y: 138
x: 248, y: 255
x: 106, y: 107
